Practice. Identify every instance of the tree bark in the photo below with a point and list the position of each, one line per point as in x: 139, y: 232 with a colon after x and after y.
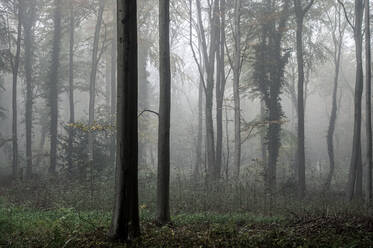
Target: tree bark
x: 209, y: 60
x: 301, y: 158
x: 236, y: 88
x: 113, y: 85
x: 15, y: 69
x: 220, y: 88
x: 92, y: 85
x: 368, y: 79
x: 71, y: 87
x: 125, y: 221
x: 28, y: 41
x: 198, y: 163
x: 356, y: 142
x: 53, y: 85
x: 163, y: 189
x: 338, y: 43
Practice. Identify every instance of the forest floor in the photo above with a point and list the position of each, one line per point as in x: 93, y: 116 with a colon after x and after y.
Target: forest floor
x: 23, y: 227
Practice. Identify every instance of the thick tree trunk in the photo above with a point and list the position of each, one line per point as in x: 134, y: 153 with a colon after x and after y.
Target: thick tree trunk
x: 163, y: 215
x: 53, y: 86
x: 92, y: 85
x: 125, y: 221
x: 15, y: 68
x: 163, y: 189
x: 236, y: 88
x: 71, y: 87
x: 356, y: 142
x: 368, y: 99
x: 28, y: 41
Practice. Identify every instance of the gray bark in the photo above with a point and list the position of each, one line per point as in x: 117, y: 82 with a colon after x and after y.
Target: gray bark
x: 92, y: 84
x: 338, y: 43
x: 28, y: 19
x: 163, y: 189
x: 125, y: 221
x: 71, y: 87
x: 356, y: 142
x: 368, y: 79
x: 236, y: 88
x: 15, y: 69
x: 300, y: 14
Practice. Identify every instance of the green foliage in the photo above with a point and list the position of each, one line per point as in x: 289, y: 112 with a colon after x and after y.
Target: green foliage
x: 66, y: 227
x: 80, y: 153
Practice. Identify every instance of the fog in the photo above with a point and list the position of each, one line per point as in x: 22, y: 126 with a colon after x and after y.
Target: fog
x: 235, y: 121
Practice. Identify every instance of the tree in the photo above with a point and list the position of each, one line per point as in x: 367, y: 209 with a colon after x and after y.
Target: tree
x: 368, y: 79
x: 220, y: 87
x: 28, y: 23
x: 268, y: 75
x: 337, y: 29
x: 113, y: 84
x: 15, y: 61
x: 208, y: 55
x: 92, y: 82
x: 300, y: 13
x: 71, y: 84
x: 355, y: 171
x: 236, y: 87
x: 125, y: 220
x: 53, y: 85
x: 163, y: 190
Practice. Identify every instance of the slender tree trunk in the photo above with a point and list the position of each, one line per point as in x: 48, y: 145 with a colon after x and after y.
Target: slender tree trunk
x: 71, y: 87
x: 28, y: 41
x: 368, y: 98
x: 92, y: 85
x: 113, y: 85
x: 300, y: 154
x: 163, y: 190
x: 15, y: 68
x: 356, y: 142
x: 262, y: 135
x: 209, y: 60
x: 236, y: 88
x: 220, y: 89
x: 333, y: 116
x: 53, y: 85
x: 125, y: 221
x: 197, y: 166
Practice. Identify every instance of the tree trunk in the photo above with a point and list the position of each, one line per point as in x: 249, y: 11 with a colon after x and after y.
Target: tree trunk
x: 71, y: 87
x: 28, y: 41
x: 125, y: 221
x: 113, y: 86
x: 300, y: 153
x: 368, y: 99
x: 15, y: 68
x: 163, y: 189
x: 92, y: 85
x: 209, y: 60
x: 333, y: 116
x: 220, y: 88
x: 197, y: 166
x: 53, y: 85
x: 356, y: 142
x: 236, y: 88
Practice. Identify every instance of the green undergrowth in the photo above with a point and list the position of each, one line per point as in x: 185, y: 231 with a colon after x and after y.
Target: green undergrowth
x: 66, y: 227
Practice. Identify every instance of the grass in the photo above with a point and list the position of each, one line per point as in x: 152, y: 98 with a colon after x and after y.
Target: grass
x: 24, y: 227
